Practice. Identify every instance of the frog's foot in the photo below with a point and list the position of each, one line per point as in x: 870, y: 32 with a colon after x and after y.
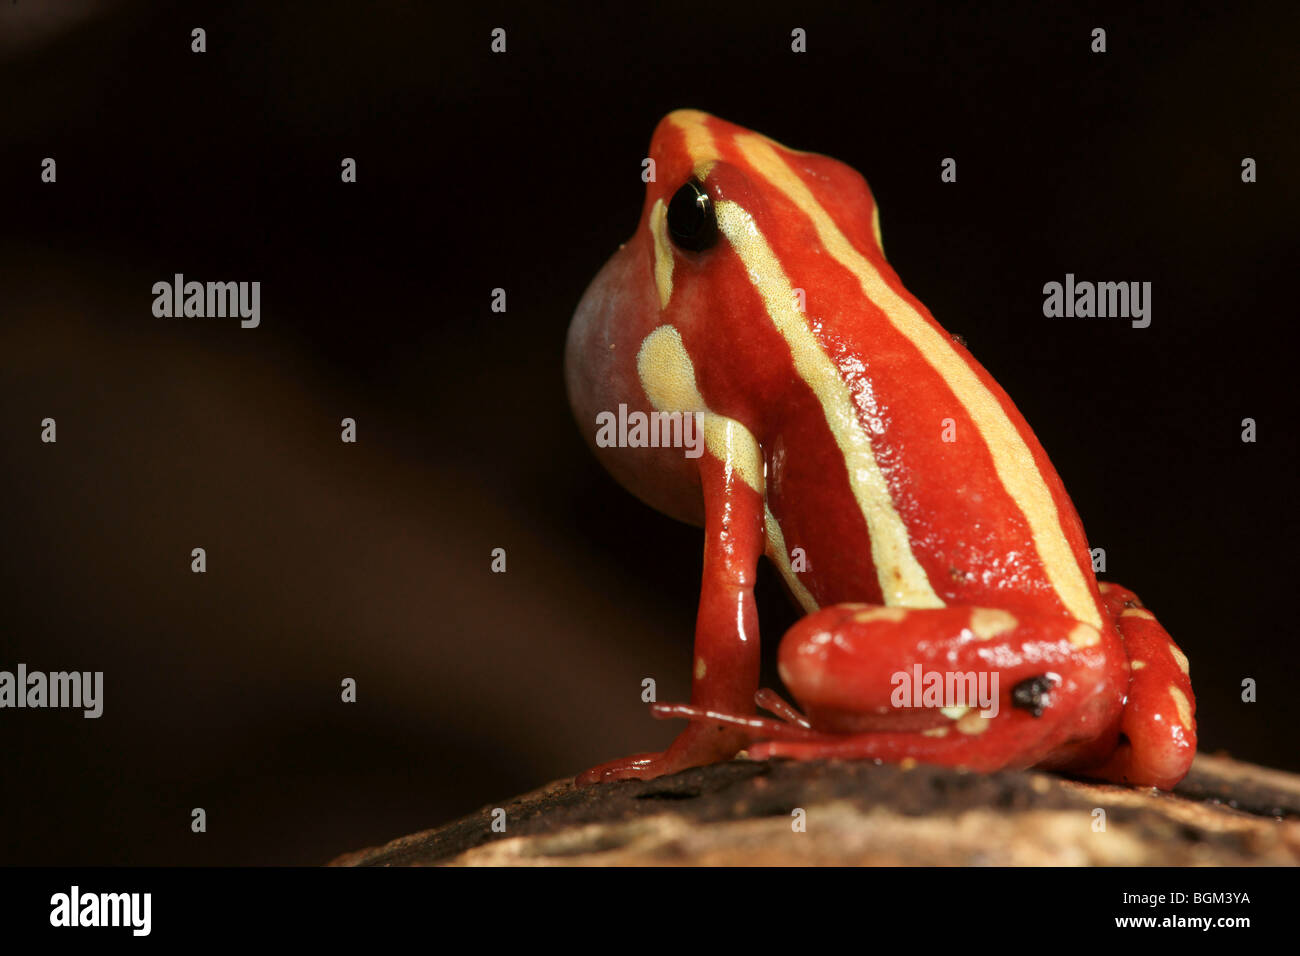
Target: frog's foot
x: 792, y: 725
x: 699, y: 744
x: 712, y: 736
x: 769, y: 699
x: 1158, y: 726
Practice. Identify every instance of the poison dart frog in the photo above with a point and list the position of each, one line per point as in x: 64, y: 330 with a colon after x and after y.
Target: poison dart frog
x: 906, y: 503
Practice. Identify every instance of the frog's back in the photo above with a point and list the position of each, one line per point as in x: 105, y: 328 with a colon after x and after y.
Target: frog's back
x: 894, y: 461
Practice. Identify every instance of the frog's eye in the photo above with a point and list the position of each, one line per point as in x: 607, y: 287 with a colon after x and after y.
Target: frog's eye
x: 691, y: 223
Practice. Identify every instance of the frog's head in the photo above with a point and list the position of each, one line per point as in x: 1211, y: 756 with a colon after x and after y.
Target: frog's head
x: 686, y: 316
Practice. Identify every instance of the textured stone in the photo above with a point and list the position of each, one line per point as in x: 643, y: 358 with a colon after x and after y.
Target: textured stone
x: 741, y: 813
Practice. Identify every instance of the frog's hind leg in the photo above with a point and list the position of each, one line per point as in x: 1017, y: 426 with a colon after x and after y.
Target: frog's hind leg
x: 1158, y: 725
x: 981, y: 688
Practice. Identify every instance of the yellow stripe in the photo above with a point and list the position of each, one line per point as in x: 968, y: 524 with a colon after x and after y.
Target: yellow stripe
x: 902, y: 579
x: 699, y: 141
x: 1012, y: 458
x: 663, y: 253
x: 668, y: 377
x: 780, y: 556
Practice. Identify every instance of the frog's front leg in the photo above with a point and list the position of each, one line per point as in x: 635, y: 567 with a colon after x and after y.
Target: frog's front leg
x: 726, y: 661
x: 1028, y: 686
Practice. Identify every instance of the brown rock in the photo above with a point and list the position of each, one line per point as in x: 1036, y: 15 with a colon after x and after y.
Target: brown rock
x: 858, y: 813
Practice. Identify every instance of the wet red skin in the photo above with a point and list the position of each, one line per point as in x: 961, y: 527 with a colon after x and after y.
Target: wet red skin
x: 1100, y: 718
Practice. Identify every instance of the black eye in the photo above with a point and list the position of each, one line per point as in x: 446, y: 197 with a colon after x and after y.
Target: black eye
x: 690, y: 218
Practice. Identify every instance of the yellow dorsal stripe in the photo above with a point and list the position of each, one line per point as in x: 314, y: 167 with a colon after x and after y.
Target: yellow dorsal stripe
x: 1012, y: 458
x: 902, y: 579
x: 699, y: 141
x: 668, y: 377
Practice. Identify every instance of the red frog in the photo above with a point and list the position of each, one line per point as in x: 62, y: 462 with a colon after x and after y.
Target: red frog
x: 905, y: 501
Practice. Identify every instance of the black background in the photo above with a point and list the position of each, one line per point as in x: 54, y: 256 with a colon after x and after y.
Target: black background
x: 522, y: 171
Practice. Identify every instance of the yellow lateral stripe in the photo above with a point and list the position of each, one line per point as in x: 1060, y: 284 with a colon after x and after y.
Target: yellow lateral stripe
x: 1012, y: 458
x: 663, y: 253
x: 779, y: 555
x: 902, y: 579
x: 668, y: 377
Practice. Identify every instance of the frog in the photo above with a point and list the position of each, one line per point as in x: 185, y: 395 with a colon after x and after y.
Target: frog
x: 907, y: 506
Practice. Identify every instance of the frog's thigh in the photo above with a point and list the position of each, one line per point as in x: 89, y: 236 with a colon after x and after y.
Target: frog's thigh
x: 851, y: 654
x: 860, y: 667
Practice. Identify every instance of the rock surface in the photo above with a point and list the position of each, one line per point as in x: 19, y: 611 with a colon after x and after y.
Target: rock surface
x: 856, y: 813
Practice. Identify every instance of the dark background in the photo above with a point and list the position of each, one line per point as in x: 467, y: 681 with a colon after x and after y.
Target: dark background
x: 522, y: 171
